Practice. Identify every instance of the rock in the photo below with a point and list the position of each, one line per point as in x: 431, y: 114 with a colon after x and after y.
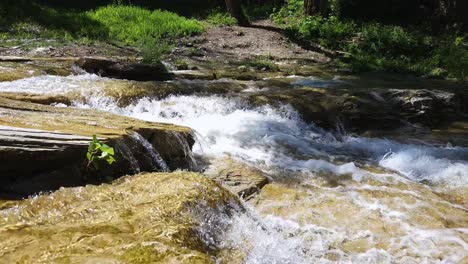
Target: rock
x: 129, y: 91
x: 15, y: 58
x: 428, y: 106
x: 14, y: 70
x: 371, y: 109
x: 125, y: 70
x: 147, y: 218
x: 44, y: 147
x: 242, y: 68
x: 182, y: 66
x: 238, y: 177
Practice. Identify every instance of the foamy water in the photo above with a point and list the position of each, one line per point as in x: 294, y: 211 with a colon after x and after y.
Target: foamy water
x: 49, y: 84
x: 276, y: 140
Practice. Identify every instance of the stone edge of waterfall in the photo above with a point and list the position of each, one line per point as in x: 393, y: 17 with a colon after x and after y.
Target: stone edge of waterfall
x: 43, y: 148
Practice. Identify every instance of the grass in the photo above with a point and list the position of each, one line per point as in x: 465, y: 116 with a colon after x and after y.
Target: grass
x: 262, y: 63
x: 375, y: 46
x: 220, y: 18
x: 154, y: 32
x: 133, y: 25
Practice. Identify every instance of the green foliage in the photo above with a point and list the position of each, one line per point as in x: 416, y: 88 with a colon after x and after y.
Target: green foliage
x: 98, y: 152
x: 133, y: 25
x: 153, y: 51
x: 330, y: 32
x: 375, y: 46
x: 152, y: 31
x: 220, y: 18
x: 262, y: 64
x: 263, y: 10
x: 454, y: 56
x: 181, y: 65
x: 290, y: 13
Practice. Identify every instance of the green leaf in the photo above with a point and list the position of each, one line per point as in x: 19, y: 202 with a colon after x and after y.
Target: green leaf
x: 105, y: 148
x: 110, y: 160
x: 98, y: 151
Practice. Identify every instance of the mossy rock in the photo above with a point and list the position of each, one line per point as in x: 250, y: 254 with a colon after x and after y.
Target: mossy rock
x: 146, y: 218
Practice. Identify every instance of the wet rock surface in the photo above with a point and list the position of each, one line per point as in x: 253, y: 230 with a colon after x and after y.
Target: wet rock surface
x: 371, y: 109
x: 237, y: 176
x: 124, y: 70
x: 395, y: 193
x: 44, y: 147
x: 147, y: 218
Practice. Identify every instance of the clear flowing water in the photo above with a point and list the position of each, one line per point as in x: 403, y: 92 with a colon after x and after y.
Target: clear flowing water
x: 158, y: 161
x: 335, y: 198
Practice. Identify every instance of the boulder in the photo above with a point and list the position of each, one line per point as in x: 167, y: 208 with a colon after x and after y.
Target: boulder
x: 147, y: 218
x: 125, y: 70
x: 44, y: 147
x: 238, y: 177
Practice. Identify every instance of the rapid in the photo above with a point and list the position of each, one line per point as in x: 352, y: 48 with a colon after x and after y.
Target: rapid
x: 334, y: 196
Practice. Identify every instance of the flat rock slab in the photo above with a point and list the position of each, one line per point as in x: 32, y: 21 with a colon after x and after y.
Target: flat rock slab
x: 44, y: 147
x: 238, y: 177
x: 125, y: 70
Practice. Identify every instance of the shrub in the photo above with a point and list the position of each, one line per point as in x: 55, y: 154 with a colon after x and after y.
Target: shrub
x: 453, y: 56
x: 375, y: 46
x: 99, y: 152
x: 219, y: 18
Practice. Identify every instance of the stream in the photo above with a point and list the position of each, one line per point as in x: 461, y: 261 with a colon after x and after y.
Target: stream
x: 334, y: 197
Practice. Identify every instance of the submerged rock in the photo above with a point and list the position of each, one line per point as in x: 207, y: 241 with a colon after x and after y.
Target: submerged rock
x: 148, y: 218
x: 404, y: 221
x: 44, y: 147
x: 125, y: 70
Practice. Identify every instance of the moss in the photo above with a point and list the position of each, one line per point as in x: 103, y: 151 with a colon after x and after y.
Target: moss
x: 263, y: 64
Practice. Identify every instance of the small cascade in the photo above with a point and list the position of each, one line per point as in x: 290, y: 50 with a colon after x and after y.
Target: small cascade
x: 193, y: 166
x: 158, y: 162
x: 127, y: 154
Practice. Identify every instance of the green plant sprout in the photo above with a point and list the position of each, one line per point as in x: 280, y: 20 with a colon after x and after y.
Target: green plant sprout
x: 98, y: 151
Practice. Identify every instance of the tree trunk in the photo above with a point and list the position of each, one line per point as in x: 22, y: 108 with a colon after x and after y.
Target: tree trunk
x: 278, y: 3
x: 234, y: 8
x: 309, y: 7
x: 323, y: 7
x: 315, y: 7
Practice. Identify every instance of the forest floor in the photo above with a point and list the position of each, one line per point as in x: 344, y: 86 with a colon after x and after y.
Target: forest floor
x: 263, y: 38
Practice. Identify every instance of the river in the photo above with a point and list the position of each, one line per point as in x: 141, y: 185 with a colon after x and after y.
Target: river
x: 334, y: 196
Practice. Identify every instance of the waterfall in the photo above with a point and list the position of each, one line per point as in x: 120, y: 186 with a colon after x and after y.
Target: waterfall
x: 187, y: 151
x: 127, y: 153
x: 157, y: 161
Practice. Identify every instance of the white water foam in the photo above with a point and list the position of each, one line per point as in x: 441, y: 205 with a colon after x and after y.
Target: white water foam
x: 279, y: 142
x: 273, y: 138
x: 277, y: 139
x: 271, y: 239
x: 55, y: 85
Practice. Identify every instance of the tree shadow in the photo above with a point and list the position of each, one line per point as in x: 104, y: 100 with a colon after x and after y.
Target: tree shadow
x: 307, y: 45
x: 24, y: 17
